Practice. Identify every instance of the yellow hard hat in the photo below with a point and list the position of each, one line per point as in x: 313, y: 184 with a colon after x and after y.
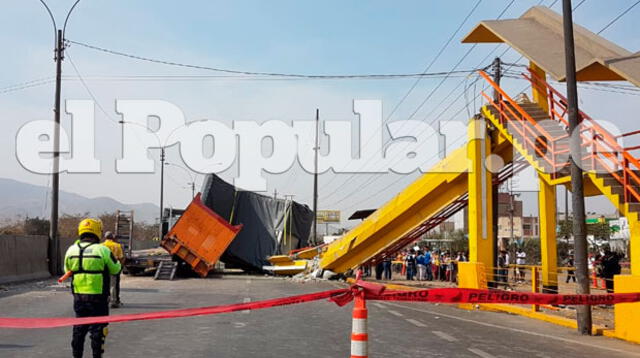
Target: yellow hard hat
x: 91, y: 226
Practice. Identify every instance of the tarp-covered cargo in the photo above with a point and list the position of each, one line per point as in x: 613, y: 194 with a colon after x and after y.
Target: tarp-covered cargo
x: 264, y: 232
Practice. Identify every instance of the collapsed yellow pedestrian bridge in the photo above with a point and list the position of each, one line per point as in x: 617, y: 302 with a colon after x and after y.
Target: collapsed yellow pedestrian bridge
x: 506, y: 136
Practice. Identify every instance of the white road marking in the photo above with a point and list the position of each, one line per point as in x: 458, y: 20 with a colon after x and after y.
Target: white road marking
x: 446, y: 337
x: 395, y: 313
x: 481, y: 353
x: 547, y: 336
x: 378, y: 305
x: 246, y: 300
x: 416, y: 323
x: 239, y: 324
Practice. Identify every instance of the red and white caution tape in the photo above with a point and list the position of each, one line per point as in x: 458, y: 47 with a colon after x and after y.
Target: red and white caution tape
x: 52, y: 322
x: 341, y: 297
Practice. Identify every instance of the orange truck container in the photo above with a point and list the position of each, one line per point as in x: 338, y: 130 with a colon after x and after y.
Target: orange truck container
x: 199, y: 237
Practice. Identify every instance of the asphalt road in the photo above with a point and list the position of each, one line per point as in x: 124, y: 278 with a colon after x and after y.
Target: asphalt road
x: 318, y: 329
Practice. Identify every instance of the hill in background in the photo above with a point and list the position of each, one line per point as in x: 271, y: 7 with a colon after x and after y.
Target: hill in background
x: 21, y: 199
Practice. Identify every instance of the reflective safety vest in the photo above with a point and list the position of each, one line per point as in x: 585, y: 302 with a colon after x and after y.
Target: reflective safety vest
x: 91, y: 264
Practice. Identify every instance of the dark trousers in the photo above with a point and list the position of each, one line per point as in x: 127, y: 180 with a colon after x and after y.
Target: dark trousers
x: 429, y: 272
x: 571, y: 275
x: 386, y: 268
x: 608, y: 281
x: 98, y: 332
x: 115, y: 289
x: 411, y: 271
x: 379, y: 269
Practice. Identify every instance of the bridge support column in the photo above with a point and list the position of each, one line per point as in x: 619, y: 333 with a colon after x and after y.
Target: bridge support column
x: 548, y: 245
x: 538, y: 89
x: 481, y: 241
x: 634, y: 243
x: 627, y: 315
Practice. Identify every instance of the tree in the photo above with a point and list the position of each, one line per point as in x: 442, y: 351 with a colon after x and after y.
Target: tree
x: 36, y: 226
x: 565, y: 228
x: 599, y: 230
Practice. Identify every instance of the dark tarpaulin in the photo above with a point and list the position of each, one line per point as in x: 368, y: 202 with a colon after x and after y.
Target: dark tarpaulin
x: 263, y: 219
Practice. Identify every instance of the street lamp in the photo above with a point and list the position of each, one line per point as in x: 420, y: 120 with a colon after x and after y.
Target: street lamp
x: 192, y: 183
x: 162, y: 145
x: 54, y: 242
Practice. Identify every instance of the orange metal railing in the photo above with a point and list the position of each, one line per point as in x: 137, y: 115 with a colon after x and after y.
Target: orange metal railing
x: 536, y: 139
x: 603, y: 152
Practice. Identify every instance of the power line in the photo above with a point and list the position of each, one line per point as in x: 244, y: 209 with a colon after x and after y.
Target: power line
x: 26, y: 85
x: 84, y: 84
x: 618, y: 17
x: 440, y: 52
x: 433, y: 91
x: 364, y: 145
x: 370, y: 181
x: 188, y: 78
x: 373, y: 179
x: 252, y: 73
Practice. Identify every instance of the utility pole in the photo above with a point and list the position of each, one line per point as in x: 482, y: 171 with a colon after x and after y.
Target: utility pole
x: 315, y: 181
x: 288, y: 218
x: 161, y: 189
x: 54, y: 240
x: 497, y: 75
x: 495, y: 195
x: 53, y: 250
x: 275, y: 194
x: 193, y: 189
x: 566, y: 205
x: 579, y: 224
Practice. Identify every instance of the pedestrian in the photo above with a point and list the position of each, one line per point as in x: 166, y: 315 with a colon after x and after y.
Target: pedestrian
x: 436, y: 265
x: 116, y: 249
x: 610, y: 267
x: 427, y: 263
x: 386, y: 267
x: 444, y: 262
x: 521, y: 260
x: 422, y: 268
x: 379, y: 268
x: 571, y: 271
x: 451, y: 268
x: 410, y: 263
x: 92, y: 265
x: 503, y: 268
x: 399, y: 264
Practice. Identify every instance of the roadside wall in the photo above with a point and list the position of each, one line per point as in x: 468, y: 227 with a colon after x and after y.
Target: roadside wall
x: 23, y: 258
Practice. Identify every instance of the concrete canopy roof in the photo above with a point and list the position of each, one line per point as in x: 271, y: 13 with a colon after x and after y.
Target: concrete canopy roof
x: 625, y: 68
x: 538, y: 35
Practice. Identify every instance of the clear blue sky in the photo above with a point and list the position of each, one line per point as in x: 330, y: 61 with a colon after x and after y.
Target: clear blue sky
x: 328, y: 37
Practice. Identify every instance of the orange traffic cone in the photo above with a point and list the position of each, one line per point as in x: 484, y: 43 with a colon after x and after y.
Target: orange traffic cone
x: 359, y: 337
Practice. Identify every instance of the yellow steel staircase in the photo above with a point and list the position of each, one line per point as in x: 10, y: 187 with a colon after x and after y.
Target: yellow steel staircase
x: 542, y: 138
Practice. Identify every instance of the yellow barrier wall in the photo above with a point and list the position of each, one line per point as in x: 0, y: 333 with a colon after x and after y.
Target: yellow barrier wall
x: 627, y: 315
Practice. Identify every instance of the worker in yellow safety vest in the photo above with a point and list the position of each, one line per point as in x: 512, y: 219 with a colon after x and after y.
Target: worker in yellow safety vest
x: 116, y: 249
x: 92, y: 265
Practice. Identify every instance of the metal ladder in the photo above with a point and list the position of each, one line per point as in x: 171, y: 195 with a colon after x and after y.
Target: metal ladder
x: 166, y: 270
x: 124, y: 230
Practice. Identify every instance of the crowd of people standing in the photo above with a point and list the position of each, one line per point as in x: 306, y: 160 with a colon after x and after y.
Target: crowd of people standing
x: 421, y: 264
x: 424, y: 264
